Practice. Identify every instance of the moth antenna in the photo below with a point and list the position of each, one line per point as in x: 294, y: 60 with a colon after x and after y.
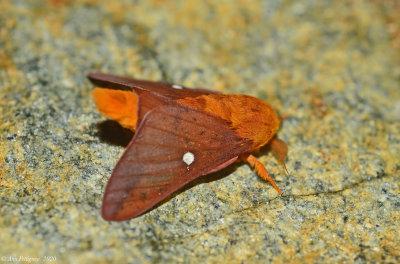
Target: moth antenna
x: 283, y: 116
x: 262, y: 171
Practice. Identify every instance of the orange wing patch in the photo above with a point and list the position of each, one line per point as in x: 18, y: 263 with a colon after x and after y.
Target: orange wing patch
x: 118, y: 105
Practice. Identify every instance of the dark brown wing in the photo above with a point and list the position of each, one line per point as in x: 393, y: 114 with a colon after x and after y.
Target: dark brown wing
x: 172, y: 146
x: 171, y: 91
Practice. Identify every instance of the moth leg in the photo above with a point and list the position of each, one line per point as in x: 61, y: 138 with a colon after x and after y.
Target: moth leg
x: 280, y: 150
x: 262, y: 171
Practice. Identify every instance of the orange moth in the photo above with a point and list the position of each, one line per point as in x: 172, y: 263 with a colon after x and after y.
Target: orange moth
x: 180, y: 134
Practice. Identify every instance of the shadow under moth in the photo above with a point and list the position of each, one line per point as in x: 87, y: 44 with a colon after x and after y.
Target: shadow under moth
x: 180, y: 134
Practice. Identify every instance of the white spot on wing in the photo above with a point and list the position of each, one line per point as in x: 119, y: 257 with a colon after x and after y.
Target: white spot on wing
x: 175, y: 86
x: 188, y: 158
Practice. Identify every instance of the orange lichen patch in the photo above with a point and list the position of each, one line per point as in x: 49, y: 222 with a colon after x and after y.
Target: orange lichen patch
x: 3, y: 171
x: 391, y: 10
x: 62, y: 3
x: 118, y: 105
x: 7, y: 184
x: 319, y: 107
x: 250, y: 117
x: 5, y: 61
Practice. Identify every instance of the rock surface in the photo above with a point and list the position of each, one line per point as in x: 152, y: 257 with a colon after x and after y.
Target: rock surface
x: 331, y: 66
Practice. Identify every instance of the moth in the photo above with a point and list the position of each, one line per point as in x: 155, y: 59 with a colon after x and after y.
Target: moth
x: 180, y: 134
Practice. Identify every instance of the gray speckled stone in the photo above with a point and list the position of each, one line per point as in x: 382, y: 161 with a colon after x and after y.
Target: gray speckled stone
x: 332, y: 67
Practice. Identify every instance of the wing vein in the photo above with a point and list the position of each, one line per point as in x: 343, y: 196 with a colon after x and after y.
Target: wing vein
x: 191, y: 121
x: 138, y: 187
x: 166, y: 172
x: 177, y: 135
x: 170, y: 146
x: 159, y: 159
